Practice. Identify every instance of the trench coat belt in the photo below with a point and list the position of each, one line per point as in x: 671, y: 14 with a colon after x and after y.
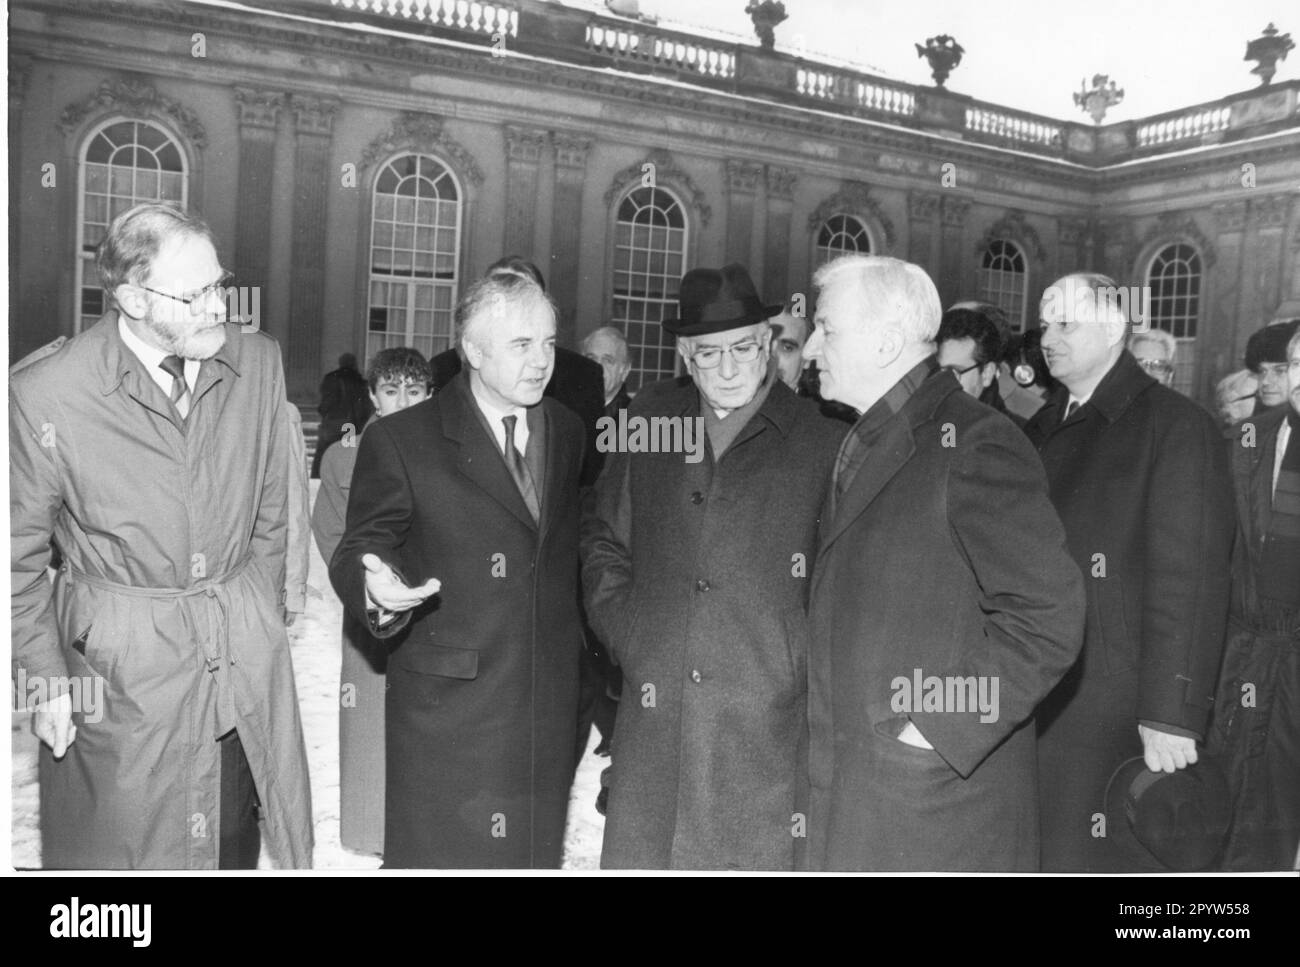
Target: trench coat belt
x: 1269, y: 636
x: 216, y: 653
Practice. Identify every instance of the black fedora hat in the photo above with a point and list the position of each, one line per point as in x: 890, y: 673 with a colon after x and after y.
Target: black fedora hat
x: 1169, y: 821
x: 715, y: 300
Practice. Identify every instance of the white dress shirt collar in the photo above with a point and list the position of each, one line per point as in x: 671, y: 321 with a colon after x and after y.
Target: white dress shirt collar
x: 494, y: 414
x: 151, y: 357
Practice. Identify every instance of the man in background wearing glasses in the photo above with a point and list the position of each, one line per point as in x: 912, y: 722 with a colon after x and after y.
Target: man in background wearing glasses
x: 1154, y: 350
x: 1139, y: 475
x: 696, y: 576
x: 153, y: 451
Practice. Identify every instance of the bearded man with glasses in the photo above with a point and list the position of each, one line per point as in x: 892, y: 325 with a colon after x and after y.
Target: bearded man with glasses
x: 696, y: 576
x: 153, y: 450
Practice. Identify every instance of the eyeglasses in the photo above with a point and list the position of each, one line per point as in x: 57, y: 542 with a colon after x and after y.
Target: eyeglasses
x: 195, y: 301
x: 962, y: 372
x: 709, y: 358
x: 1156, y: 366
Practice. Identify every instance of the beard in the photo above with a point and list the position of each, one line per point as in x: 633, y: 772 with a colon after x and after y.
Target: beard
x: 192, y: 341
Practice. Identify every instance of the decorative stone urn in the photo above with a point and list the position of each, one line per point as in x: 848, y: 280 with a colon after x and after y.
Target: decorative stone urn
x: 766, y: 15
x: 943, y: 53
x: 1101, y: 96
x: 1268, y: 49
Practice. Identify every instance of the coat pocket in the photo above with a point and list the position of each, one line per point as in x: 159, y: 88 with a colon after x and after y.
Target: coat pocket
x: 1119, y: 648
x: 444, y: 661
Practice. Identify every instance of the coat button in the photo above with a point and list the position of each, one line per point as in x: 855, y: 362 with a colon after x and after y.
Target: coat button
x: 701, y: 585
x: 697, y: 498
x: 696, y: 677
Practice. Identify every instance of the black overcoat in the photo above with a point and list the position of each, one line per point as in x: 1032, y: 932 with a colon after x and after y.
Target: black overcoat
x: 483, y: 686
x: 943, y: 559
x: 696, y: 578
x: 1140, y: 478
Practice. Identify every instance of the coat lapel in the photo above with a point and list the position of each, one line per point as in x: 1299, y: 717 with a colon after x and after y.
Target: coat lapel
x: 894, y: 448
x: 551, y: 474
x: 478, y: 457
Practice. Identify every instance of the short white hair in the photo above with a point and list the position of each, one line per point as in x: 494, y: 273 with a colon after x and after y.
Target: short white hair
x: 1159, y: 336
x: 888, y: 289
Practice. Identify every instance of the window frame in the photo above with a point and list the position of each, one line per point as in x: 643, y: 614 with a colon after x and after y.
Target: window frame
x: 370, y: 278
x: 87, y: 138
x: 640, y: 376
x: 991, y: 294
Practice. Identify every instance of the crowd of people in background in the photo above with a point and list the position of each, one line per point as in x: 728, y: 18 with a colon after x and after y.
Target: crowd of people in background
x: 940, y: 595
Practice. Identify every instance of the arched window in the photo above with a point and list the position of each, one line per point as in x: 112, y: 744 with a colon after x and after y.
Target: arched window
x: 122, y: 164
x: 1174, y: 279
x: 649, y: 258
x: 414, y: 254
x: 841, y: 235
x: 1003, y: 280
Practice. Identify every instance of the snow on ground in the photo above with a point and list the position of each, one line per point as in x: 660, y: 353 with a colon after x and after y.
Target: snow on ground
x: 314, y: 640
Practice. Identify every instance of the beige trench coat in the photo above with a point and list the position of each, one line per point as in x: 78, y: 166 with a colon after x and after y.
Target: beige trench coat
x: 170, y: 593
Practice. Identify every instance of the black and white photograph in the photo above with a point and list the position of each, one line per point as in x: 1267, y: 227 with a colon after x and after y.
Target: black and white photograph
x: 676, y: 436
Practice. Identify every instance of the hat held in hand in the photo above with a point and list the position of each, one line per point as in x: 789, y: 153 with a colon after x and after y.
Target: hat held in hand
x: 715, y: 300
x: 1169, y: 821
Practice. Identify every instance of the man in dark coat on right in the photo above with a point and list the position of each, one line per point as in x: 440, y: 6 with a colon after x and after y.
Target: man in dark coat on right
x: 943, y: 604
x: 1139, y: 476
x: 1257, y: 713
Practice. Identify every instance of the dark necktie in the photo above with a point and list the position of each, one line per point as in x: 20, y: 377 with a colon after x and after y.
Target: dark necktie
x: 1069, y: 410
x: 174, y: 367
x: 515, y: 463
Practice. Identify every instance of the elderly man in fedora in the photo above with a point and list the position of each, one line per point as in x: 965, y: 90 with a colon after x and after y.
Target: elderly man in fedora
x: 699, y: 590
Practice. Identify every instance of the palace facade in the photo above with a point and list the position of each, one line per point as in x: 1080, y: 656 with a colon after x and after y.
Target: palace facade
x: 359, y: 161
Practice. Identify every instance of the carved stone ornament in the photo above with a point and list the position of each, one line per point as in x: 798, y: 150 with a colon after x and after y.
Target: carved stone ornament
x: 955, y: 211
x: 258, y: 109
x: 1173, y: 226
x: 133, y: 94
x: 314, y: 115
x: 571, y: 150
x: 743, y: 176
x: 780, y: 183
x: 854, y: 198
x: 922, y: 205
x: 1014, y: 226
x: 1070, y: 231
x: 421, y: 132
x: 666, y: 172
x: 1229, y: 216
x: 1270, y: 210
x: 524, y: 144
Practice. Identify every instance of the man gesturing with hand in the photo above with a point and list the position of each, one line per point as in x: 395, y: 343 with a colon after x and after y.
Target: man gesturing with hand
x: 461, y: 550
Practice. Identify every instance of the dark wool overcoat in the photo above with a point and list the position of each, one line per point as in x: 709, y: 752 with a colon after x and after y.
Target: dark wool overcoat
x: 943, y: 559
x: 696, y: 578
x: 483, y: 686
x: 1140, y: 478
